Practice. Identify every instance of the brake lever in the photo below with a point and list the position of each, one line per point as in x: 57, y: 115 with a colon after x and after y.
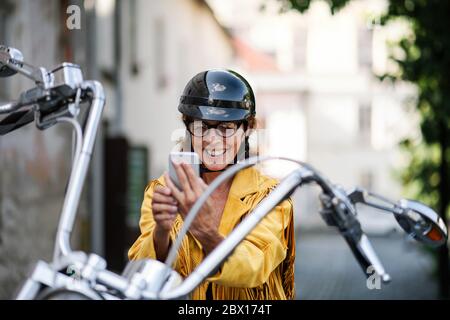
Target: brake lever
x: 340, y: 212
x: 367, y: 257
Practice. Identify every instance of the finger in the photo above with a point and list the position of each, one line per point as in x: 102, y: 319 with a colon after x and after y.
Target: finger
x: 193, y: 181
x: 163, y: 190
x: 182, y: 177
x: 176, y: 193
x: 162, y: 207
x: 190, y: 195
x: 165, y: 217
x: 161, y: 198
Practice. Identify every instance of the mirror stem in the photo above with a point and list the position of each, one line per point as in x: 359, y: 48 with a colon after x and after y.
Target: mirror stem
x: 360, y: 195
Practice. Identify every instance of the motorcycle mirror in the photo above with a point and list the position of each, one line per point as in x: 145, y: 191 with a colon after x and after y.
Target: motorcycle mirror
x: 422, y: 223
x: 9, y: 56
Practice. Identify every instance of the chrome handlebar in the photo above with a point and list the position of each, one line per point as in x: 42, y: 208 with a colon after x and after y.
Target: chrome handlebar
x: 9, y: 107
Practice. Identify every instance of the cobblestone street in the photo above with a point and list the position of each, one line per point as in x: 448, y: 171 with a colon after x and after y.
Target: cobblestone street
x: 326, y: 269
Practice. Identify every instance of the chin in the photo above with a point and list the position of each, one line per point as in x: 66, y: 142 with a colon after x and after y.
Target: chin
x: 217, y: 163
x: 215, y: 167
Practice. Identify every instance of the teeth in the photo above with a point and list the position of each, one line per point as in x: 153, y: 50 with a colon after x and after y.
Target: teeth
x: 215, y: 153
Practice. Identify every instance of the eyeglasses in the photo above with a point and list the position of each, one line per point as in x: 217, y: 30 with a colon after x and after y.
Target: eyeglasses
x: 224, y: 129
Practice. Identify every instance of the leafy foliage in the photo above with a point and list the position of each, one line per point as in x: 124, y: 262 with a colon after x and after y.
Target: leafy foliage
x: 425, y: 61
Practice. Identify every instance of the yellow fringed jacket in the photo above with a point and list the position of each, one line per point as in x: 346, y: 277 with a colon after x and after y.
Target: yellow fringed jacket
x: 261, y: 267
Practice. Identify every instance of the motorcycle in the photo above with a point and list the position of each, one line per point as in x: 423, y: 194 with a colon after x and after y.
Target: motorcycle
x: 58, y: 96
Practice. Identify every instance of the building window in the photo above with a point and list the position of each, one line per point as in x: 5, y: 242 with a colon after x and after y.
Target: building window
x: 365, y: 48
x: 160, y: 53
x: 365, y: 121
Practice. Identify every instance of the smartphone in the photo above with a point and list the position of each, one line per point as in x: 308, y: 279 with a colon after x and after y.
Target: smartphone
x: 190, y: 158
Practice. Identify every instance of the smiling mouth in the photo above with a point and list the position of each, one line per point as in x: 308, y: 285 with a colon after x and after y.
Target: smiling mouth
x: 215, y: 153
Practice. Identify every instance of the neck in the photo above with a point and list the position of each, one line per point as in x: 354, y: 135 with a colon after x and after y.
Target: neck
x: 209, y: 177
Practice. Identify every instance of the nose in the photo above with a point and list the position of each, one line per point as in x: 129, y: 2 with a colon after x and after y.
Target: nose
x: 211, y: 135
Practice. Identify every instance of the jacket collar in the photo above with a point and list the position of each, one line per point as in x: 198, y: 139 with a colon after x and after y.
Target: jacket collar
x: 245, y: 182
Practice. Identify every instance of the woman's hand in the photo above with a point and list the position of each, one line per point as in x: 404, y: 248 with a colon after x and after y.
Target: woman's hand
x: 164, y: 208
x: 206, y: 224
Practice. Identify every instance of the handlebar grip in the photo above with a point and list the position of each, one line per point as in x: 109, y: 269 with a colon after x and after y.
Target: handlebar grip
x: 16, y: 120
x: 367, y: 257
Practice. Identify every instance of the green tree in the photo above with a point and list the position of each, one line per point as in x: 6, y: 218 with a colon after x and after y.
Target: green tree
x: 426, y: 63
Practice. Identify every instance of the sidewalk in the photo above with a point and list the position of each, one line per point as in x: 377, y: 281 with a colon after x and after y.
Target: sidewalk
x: 326, y: 269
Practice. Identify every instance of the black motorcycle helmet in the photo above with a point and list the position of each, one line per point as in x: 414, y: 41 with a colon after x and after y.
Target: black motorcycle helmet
x: 219, y: 95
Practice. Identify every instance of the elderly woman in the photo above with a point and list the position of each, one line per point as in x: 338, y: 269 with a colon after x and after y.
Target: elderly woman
x: 218, y: 109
